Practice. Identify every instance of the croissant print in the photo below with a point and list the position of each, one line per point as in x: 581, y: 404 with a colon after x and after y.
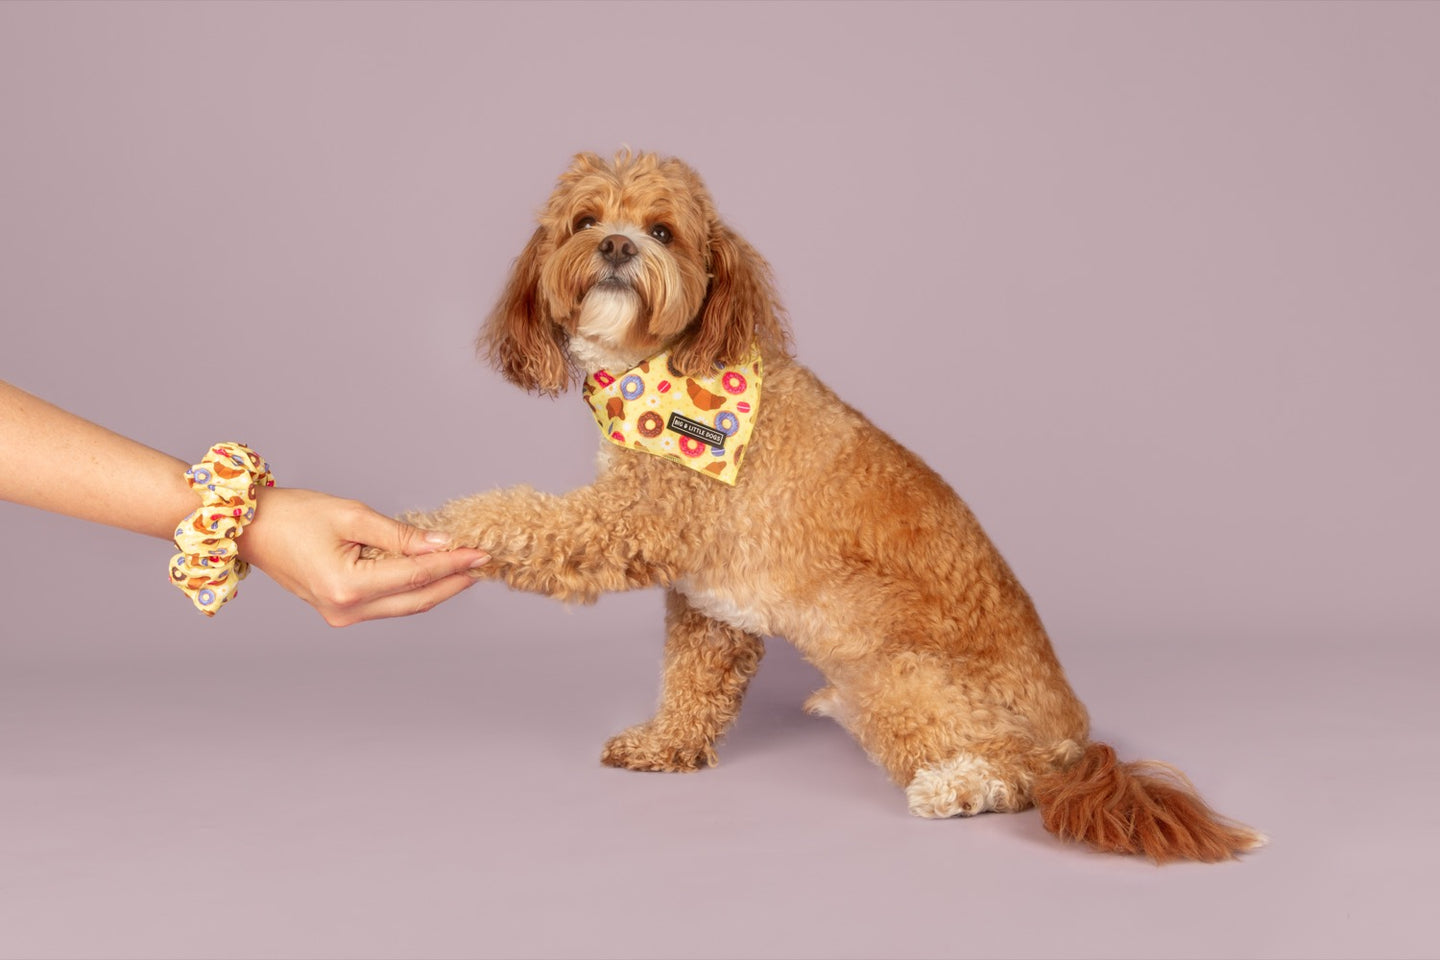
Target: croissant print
x: 702, y: 398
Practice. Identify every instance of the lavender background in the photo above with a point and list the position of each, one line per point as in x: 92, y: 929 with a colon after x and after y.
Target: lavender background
x: 1153, y: 285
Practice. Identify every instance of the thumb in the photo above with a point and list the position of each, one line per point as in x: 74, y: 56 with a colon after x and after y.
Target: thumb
x: 394, y: 536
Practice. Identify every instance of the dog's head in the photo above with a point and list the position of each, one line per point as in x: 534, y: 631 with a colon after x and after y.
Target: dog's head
x: 630, y: 258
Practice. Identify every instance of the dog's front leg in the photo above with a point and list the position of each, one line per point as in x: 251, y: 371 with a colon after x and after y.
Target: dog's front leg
x: 572, y: 547
x: 708, y: 665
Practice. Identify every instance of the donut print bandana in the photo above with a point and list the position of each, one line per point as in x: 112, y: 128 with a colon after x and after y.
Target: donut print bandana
x: 703, y: 423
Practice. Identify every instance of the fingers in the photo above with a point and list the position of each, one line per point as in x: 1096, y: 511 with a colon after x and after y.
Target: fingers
x: 385, y: 577
x: 403, y: 604
x: 400, y: 586
x: 392, y: 536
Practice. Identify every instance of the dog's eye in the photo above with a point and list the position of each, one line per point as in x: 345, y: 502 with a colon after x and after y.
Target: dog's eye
x: 584, y: 223
x: 662, y: 233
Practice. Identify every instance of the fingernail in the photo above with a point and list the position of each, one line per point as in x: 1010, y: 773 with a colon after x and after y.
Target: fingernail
x: 437, y: 537
x: 480, y: 561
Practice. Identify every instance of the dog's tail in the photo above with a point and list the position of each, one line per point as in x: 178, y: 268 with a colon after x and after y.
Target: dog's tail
x: 1145, y: 807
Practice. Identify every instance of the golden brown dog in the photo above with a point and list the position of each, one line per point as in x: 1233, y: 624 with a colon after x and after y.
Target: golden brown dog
x: 833, y: 536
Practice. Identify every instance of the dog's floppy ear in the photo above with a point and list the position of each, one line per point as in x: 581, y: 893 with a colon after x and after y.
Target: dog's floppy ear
x: 519, y: 337
x: 740, y: 308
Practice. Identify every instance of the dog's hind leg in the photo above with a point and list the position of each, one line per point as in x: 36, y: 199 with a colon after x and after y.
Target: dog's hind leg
x: 708, y: 665
x: 955, y: 748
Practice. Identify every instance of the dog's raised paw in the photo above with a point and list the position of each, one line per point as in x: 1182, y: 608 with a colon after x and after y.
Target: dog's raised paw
x: 643, y: 748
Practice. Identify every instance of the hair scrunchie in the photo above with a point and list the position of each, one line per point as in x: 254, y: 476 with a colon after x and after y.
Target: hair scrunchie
x: 208, y: 568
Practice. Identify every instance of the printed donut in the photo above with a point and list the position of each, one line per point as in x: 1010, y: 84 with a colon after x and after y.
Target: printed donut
x: 650, y: 424
x: 603, y: 378
x: 691, y: 447
x: 727, y: 423
x: 632, y: 387
x: 733, y: 381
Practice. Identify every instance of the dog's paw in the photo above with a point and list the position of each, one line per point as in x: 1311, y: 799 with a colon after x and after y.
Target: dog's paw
x: 642, y: 748
x: 824, y: 702
x: 960, y: 787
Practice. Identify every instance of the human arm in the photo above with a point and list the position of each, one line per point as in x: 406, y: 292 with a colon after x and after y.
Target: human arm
x: 307, y: 542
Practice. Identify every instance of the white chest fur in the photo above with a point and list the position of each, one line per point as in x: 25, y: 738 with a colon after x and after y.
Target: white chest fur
x: 745, y: 611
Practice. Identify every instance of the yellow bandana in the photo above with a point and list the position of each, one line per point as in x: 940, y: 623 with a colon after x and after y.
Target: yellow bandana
x: 701, y: 422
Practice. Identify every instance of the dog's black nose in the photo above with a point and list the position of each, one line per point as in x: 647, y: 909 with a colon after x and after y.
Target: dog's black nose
x: 617, y: 249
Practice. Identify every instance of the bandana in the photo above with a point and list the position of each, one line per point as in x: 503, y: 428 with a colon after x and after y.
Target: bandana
x: 702, y: 422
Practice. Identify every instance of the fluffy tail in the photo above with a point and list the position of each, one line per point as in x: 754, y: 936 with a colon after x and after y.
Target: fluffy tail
x: 1146, y: 807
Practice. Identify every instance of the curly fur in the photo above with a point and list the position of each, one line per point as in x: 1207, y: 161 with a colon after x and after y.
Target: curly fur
x: 835, y: 537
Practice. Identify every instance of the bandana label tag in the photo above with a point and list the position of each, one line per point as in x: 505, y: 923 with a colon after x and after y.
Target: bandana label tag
x: 695, y: 431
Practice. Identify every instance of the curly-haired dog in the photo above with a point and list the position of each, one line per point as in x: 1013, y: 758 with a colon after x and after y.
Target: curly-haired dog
x: 799, y: 519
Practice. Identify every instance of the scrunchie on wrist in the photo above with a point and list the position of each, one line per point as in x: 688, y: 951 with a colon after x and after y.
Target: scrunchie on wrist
x: 208, y: 568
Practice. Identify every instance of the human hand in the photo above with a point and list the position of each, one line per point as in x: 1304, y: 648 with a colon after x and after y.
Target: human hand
x: 310, y: 543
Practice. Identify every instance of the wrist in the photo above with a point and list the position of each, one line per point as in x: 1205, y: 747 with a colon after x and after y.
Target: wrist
x: 259, y: 532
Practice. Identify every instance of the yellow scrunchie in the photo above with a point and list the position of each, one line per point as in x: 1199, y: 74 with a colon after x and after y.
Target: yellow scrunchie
x: 208, y: 568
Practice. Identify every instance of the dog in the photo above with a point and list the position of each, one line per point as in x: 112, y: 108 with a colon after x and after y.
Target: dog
x: 765, y: 506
